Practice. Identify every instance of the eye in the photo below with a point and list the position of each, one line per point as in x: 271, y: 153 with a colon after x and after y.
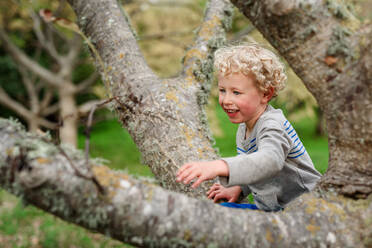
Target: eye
x: 222, y: 90
x: 236, y: 92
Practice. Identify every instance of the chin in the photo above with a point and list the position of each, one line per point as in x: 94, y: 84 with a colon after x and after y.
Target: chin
x: 235, y: 121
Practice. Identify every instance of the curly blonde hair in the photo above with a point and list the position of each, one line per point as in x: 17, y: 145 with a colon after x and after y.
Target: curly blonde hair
x: 246, y: 59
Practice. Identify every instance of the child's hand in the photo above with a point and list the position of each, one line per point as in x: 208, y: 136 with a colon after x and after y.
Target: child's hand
x: 217, y: 192
x: 201, y: 170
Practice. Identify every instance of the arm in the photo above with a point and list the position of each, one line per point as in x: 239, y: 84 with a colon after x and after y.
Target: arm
x: 273, y: 147
x: 201, y: 170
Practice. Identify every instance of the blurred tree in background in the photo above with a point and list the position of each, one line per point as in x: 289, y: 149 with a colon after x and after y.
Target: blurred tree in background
x: 44, y: 70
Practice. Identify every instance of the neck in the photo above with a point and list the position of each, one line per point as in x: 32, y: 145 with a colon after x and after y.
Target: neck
x: 250, y: 124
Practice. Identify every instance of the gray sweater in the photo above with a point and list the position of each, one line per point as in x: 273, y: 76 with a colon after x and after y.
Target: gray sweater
x: 272, y: 162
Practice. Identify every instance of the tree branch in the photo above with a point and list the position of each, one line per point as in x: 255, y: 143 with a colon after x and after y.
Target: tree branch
x: 45, y: 107
x: 75, y: 45
x: 22, y: 111
x: 31, y: 91
x: 50, y: 109
x: 87, y: 106
x: 210, y: 36
x: 83, y: 85
x: 48, y: 45
x: 146, y: 215
x: 112, y: 25
x: 324, y: 43
x: 23, y: 59
x: 7, y: 101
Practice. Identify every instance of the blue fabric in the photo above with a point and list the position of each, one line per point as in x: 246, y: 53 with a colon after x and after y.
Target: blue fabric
x: 239, y: 205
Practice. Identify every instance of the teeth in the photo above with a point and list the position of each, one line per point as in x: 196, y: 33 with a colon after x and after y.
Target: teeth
x: 230, y: 111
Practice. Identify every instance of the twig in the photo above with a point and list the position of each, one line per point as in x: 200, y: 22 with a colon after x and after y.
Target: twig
x: 89, y: 125
x: 79, y: 174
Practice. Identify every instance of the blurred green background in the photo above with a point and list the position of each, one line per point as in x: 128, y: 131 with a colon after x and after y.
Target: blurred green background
x: 26, y: 226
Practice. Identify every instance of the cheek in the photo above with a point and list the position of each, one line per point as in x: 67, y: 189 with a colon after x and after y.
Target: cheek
x: 220, y: 99
x: 245, y: 105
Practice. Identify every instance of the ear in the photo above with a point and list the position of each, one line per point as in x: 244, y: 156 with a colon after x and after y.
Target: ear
x: 268, y: 94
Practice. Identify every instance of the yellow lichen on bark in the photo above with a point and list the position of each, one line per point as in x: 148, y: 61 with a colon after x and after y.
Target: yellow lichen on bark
x: 207, y: 29
x: 194, y: 53
x: 109, y: 179
x: 190, y: 78
x: 200, y: 153
x: 189, y: 135
x: 351, y: 23
x: 171, y: 96
x: 312, y: 227
x: 42, y: 160
x: 269, y: 237
x: 9, y: 151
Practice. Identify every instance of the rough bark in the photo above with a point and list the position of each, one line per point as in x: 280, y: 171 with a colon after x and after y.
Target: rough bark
x: 59, y: 181
x: 154, y: 110
x: 329, y: 49
x: 165, y: 117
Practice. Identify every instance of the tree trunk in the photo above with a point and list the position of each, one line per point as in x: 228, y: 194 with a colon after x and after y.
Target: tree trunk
x: 329, y: 49
x: 69, y: 115
x: 32, y: 124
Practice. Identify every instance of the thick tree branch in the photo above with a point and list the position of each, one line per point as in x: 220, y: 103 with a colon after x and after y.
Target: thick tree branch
x: 210, y: 36
x: 23, y: 59
x: 148, y: 216
x: 107, y: 26
x: 325, y: 45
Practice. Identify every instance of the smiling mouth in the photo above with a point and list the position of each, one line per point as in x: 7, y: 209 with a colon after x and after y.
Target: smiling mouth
x: 231, y: 111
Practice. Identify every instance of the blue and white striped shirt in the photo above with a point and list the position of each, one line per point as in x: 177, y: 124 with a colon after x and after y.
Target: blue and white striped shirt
x: 272, y: 162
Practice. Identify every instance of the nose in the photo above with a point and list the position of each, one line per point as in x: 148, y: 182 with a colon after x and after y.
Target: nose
x: 226, y: 99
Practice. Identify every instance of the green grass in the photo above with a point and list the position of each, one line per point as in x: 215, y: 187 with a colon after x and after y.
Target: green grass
x: 29, y: 227
x: 316, y: 146
x: 110, y: 141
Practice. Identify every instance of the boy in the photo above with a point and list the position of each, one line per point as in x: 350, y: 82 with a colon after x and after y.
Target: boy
x: 272, y: 163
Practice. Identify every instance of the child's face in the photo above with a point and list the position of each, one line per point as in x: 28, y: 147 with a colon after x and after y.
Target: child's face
x: 241, y: 100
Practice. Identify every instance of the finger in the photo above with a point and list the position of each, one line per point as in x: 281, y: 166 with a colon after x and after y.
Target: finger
x: 211, y: 195
x: 183, y: 168
x: 190, y: 177
x: 213, y: 188
x: 209, y: 191
x: 184, y: 175
x: 198, y: 182
x: 217, y: 197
